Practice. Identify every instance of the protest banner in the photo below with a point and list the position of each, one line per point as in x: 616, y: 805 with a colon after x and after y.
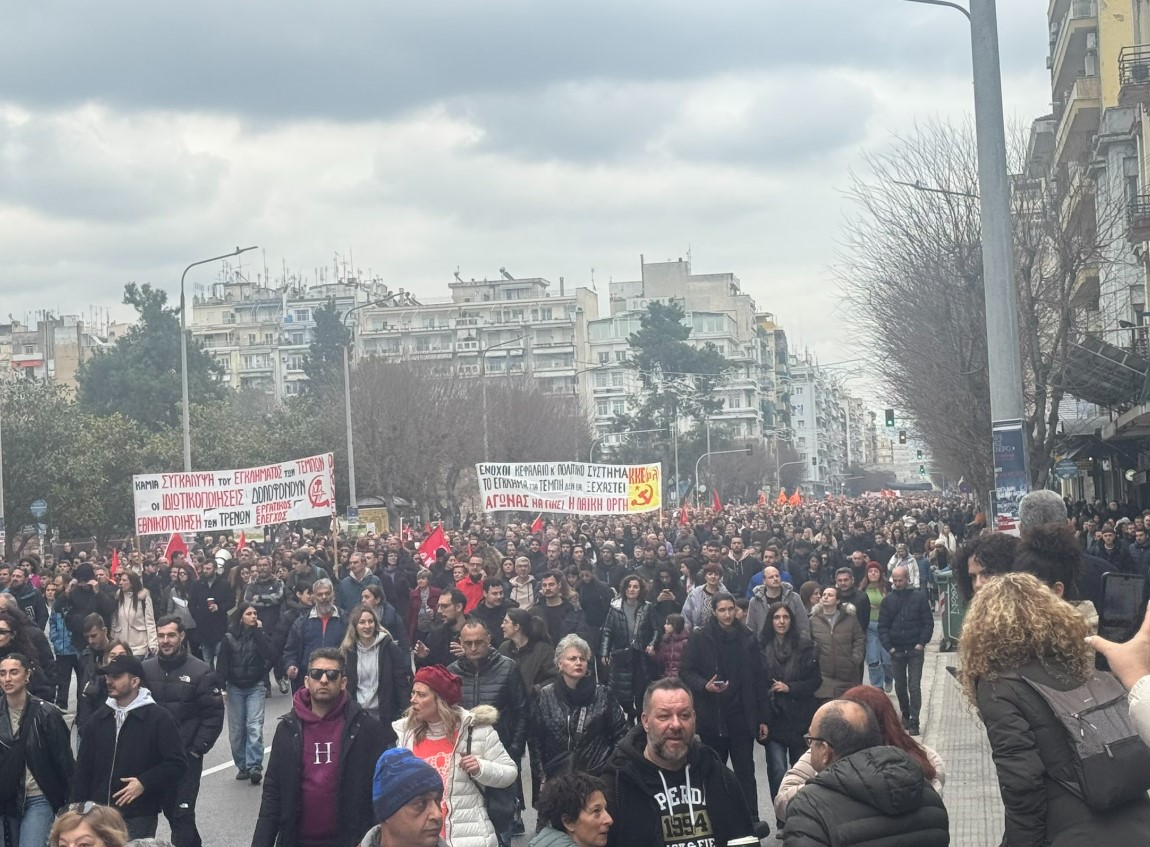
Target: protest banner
x: 205, y: 501
x: 570, y: 487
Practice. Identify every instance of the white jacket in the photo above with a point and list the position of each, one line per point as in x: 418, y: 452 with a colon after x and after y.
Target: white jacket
x: 467, y: 824
x: 136, y: 626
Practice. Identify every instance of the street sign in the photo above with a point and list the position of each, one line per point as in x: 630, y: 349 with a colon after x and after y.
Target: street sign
x: 1066, y: 469
x: 38, y: 509
x: 353, y: 514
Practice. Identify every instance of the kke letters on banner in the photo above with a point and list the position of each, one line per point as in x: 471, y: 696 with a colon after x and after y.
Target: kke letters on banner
x: 213, y: 500
x: 570, y: 487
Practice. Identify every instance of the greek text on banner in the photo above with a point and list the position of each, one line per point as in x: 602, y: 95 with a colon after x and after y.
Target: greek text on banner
x: 577, y: 488
x: 203, y: 501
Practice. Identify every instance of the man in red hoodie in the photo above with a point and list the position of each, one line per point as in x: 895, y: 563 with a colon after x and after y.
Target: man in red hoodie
x: 317, y: 791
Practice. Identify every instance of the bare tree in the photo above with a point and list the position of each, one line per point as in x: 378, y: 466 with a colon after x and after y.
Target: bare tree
x: 911, y: 274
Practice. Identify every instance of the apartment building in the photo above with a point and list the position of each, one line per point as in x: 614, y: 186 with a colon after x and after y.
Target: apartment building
x: 238, y: 323
x: 51, y: 350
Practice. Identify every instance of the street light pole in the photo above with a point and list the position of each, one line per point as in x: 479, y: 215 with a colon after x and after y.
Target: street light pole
x: 483, y: 382
x: 187, y: 420
x: 746, y: 451
x: 595, y: 443
x: 1004, y: 358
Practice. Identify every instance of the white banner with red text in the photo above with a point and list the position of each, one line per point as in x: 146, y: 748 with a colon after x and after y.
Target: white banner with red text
x: 208, y: 501
x: 579, y: 488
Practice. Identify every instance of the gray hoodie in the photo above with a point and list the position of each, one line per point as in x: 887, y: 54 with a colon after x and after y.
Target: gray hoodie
x: 759, y: 603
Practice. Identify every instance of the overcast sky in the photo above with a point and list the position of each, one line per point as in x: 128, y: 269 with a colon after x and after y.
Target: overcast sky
x: 547, y: 136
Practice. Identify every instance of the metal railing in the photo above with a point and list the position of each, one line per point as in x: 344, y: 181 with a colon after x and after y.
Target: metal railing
x: 1134, y: 65
x: 1138, y: 215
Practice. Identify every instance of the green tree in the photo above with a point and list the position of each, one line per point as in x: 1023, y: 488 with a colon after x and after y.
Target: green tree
x: 680, y: 389
x: 140, y: 376
x: 323, y: 364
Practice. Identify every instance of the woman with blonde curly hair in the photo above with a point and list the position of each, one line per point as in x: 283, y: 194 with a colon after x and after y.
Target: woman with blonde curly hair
x: 1018, y: 628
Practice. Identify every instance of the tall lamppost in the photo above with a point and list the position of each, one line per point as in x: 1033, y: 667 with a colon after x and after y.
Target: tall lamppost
x: 1004, y: 357
x: 483, y: 382
x: 746, y: 451
x: 187, y: 420
x: 595, y: 443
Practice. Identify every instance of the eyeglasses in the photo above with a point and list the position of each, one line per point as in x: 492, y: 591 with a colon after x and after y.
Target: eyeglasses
x: 79, y: 808
x: 811, y: 739
x: 319, y: 673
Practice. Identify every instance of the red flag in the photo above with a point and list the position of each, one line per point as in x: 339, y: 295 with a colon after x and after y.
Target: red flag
x: 175, y: 545
x: 762, y: 498
x: 435, y: 541
x: 537, y: 524
x: 796, y: 498
x: 115, y: 566
x: 683, y: 519
x: 782, y: 499
x: 715, y: 504
x: 243, y: 542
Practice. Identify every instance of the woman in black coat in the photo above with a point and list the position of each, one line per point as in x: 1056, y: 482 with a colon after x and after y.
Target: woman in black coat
x: 791, y: 669
x: 1018, y: 629
x: 246, y: 655
x: 628, y: 631
x: 19, y: 635
x: 723, y: 668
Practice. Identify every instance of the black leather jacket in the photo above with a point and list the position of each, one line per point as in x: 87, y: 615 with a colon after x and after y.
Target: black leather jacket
x: 245, y: 658
x: 588, y: 733
x: 47, y: 752
x: 495, y: 681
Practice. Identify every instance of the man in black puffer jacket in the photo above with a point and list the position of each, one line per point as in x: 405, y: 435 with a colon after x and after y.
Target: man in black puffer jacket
x: 864, y: 793
x: 189, y: 689
x: 905, y: 625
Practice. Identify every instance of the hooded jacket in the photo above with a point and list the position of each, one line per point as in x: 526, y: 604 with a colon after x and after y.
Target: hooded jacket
x: 140, y: 740
x: 467, y: 824
x: 245, y: 657
x: 361, y: 742
x: 308, y: 634
x: 393, y: 679
x: 760, y: 602
x: 876, y: 796
x: 47, y: 754
x: 841, y: 650
x: 653, y: 807
x: 495, y: 681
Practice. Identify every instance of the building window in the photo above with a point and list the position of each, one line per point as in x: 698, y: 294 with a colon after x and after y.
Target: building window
x: 301, y: 315
x: 600, y: 380
x: 545, y: 314
x: 802, y: 424
x: 620, y: 355
x: 604, y: 358
x: 618, y: 407
x: 602, y: 408
x: 295, y: 363
x: 269, y: 339
x: 29, y: 349
x: 291, y: 389
x: 617, y: 379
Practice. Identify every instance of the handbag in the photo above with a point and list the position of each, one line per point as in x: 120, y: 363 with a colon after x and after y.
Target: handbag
x: 501, y: 803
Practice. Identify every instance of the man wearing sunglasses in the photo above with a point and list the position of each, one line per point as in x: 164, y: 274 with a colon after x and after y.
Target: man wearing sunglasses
x: 318, y: 787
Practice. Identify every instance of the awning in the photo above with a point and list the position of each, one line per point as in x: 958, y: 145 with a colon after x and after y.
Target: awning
x: 1101, y: 373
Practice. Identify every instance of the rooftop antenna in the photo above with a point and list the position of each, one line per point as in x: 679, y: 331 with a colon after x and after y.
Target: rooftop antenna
x: 593, y: 281
x: 458, y: 278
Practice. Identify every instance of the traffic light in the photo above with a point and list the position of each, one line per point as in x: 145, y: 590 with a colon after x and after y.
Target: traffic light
x: 902, y: 436
x: 890, y: 418
x: 922, y: 470
x: 919, y: 456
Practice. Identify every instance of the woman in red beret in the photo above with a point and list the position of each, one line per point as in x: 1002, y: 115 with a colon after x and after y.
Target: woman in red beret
x: 462, y: 745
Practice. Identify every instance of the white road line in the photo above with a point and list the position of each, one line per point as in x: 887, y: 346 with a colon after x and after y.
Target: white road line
x: 227, y: 765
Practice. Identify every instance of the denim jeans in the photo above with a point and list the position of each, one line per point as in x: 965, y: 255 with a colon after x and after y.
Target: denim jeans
x: 211, y: 651
x: 31, y: 828
x: 877, y: 659
x: 908, y: 681
x: 246, y: 725
x: 777, y: 764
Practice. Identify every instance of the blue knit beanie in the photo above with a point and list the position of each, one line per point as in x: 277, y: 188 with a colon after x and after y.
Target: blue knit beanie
x: 399, y: 778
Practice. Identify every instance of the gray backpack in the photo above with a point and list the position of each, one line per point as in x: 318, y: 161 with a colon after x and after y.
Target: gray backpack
x: 1113, y: 764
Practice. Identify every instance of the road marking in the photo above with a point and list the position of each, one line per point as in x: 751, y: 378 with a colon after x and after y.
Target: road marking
x: 227, y: 765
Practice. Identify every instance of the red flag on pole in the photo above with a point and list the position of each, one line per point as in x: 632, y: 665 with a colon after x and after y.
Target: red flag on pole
x: 537, y: 524
x: 782, y: 499
x: 435, y: 541
x: 762, y: 498
x: 115, y: 566
x: 715, y: 504
x: 796, y: 498
x: 683, y: 519
x: 175, y: 545
x: 243, y: 542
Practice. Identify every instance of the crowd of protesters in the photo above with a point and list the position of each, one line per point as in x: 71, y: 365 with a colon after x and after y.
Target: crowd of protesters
x: 629, y: 661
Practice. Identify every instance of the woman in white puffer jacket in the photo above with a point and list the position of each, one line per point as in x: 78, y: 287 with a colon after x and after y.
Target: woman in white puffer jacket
x: 441, y: 733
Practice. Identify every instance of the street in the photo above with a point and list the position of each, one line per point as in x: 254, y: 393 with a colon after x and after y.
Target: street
x: 227, y: 809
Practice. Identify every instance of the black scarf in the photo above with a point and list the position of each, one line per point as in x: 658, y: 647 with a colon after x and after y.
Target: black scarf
x: 579, y: 696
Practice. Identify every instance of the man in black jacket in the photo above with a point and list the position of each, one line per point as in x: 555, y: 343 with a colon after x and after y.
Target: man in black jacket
x: 492, y: 609
x: 82, y: 598
x: 132, y: 772
x: 318, y: 788
x: 905, y: 625
x: 91, y: 691
x: 665, y: 788
x: 845, y: 583
x: 864, y: 793
x: 442, y: 647
x: 188, y: 688
x: 492, y: 679
x: 214, y: 598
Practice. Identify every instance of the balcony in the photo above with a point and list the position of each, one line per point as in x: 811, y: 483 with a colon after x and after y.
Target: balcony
x: 1068, y: 44
x: 1078, y: 114
x: 1086, y: 287
x: 1138, y: 219
x: 1134, y: 75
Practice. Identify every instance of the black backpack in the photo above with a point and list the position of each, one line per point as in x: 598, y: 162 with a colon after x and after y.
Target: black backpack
x: 1113, y: 763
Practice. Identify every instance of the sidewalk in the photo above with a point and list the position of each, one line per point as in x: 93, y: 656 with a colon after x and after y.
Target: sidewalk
x: 954, y: 732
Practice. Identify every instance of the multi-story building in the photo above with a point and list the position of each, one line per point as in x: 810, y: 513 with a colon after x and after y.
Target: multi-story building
x: 818, y: 424
x: 507, y: 326
x: 52, y: 350
x: 718, y: 313
x: 238, y: 323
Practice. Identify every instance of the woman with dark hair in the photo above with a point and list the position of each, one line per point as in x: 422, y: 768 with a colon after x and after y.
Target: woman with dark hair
x: 246, y: 654
x: 981, y: 558
x: 181, y: 597
x: 525, y: 641
x: 574, y: 808
x: 668, y: 594
x: 893, y: 735
x: 627, y: 633
x: 792, y: 670
x: 1017, y: 631
x: 135, y: 617
x: 16, y: 637
x: 421, y: 607
x: 879, y: 665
